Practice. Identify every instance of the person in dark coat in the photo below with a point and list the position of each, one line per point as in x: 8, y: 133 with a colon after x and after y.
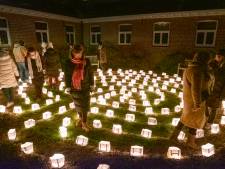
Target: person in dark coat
x: 80, y: 80
x: 35, y: 70
x: 217, y: 67
x: 52, y: 65
x: 195, y: 88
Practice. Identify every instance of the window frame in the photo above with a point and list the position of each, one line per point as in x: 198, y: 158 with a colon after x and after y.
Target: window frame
x: 205, y: 34
x: 7, y: 31
x: 125, y: 35
x: 70, y: 33
x: 42, y: 31
x: 95, y: 34
x: 161, y: 33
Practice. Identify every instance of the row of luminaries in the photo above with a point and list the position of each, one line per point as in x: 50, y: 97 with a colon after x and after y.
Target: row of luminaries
x: 58, y: 160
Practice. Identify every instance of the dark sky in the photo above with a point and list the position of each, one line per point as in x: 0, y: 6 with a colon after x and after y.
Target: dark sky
x: 99, y: 8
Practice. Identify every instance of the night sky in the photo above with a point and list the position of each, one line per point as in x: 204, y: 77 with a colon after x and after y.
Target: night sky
x: 99, y: 8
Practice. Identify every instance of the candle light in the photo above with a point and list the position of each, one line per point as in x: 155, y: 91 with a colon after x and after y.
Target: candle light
x: 82, y: 140
x: 165, y: 111
x: 199, y: 133
x: 130, y: 117
x: 97, y: 124
x: 117, y: 129
x: 12, y: 134
x: 152, y: 121
x: 17, y: 110
x: 62, y: 109
x: 103, y: 166
x: 57, y: 160
x: 46, y: 115
x: 146, y: 133
x: 63, y: 131
x: 174, y: 153
x: 104, y: 146
x: 29, y: 123
x: 208, y: 150
x: 110, y: 113
x: 94, y: 110
x: 136, y: 151
x: 2, y: 109
x: 27, y: 147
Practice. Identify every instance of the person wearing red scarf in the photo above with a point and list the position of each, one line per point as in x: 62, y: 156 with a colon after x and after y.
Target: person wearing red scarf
x: 79, y: 78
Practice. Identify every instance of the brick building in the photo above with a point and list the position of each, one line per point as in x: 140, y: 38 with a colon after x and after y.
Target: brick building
x: 150, y: 36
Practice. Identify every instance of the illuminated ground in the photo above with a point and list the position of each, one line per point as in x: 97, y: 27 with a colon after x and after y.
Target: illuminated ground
x: 47, y: 141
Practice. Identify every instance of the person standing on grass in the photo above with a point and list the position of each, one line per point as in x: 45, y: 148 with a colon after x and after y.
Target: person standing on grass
x: 195, y: 89
x: 35, y: 70
x: 102, y: 57
x: 52, y: 65
x: 79, y: 79
x: 8, y: 73
x: 20, y: 53
x: 217, y: 94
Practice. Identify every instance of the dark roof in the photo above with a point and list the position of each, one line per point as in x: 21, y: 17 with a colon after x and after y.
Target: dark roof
x: 103, y: 8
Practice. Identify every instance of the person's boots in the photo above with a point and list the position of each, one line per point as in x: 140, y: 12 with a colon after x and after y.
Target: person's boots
x: 174, y: 135
x: 191, y: 142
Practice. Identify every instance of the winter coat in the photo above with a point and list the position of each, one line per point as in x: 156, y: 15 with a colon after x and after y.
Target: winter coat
x: 8, y: 71
x: 194, y: 86
x: 19, y: 52
x: 52, y: 62
x: 81, y: 97
x: 217, y: 93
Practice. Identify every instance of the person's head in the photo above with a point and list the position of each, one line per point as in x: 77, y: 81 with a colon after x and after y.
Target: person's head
x: 31, y: 52
x: 77, y: 52
x: 50, y: 45
x: 201, y: 57
x: 21, y: 42
x: 220, y: 55
x: 44, y: 45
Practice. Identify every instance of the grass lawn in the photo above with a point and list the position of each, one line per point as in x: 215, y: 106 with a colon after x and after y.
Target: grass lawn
x: 47, y: 141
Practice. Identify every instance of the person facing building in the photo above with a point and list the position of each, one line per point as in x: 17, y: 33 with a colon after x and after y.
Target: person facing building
x: 20, y: 53
x: 52, y: 65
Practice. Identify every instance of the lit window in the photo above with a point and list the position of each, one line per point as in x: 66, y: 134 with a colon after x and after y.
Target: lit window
x: 95, y: 34
x: 70, y: 34
x: 206, y: 33
x: 41, y: 31
x: 4, y: 32
x: 125, y: 32
x: 161, y: 32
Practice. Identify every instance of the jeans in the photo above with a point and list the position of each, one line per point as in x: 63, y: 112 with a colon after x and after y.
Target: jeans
x: 23, y: 71
x: 8, y: 92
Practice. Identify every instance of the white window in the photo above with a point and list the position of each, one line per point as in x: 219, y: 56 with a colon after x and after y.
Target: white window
x: 4, y: 32
x: 41, y: 31
x: 125, y: 32
x: 206, y: 33
x: 161, y: 32
x: 70, y: 34
x: 95, y: 34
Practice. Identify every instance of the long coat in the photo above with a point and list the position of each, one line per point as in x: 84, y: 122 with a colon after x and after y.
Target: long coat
x: 194, y: 85
x: 8, y: 71
x: 52, y: 62
x: 81, y: 97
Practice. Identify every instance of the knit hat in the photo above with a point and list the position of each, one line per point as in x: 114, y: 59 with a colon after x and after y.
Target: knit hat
x: 221, y: 52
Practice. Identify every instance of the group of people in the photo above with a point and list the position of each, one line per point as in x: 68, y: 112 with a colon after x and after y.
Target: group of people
x: 203, y: 92
x: 30, y: 63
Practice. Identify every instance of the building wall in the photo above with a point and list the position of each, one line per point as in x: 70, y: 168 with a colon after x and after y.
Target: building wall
x: 182, y: 37
x: 22, y: 27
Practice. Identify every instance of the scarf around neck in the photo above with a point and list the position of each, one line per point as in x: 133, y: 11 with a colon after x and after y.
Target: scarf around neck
x: 78, y: 73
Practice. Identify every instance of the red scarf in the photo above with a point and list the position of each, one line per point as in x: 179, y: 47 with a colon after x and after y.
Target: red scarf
x: 78, y: 73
